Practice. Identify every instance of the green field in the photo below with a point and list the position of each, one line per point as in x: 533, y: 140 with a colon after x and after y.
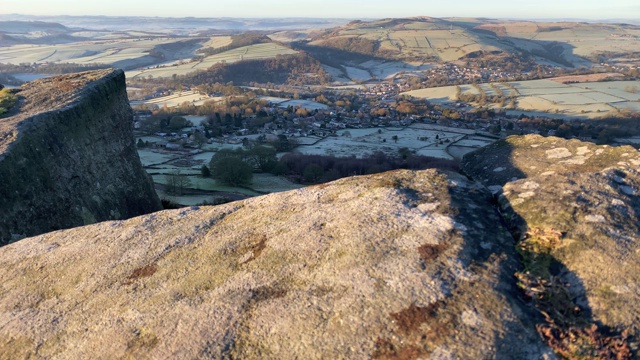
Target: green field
x: 451, y: 143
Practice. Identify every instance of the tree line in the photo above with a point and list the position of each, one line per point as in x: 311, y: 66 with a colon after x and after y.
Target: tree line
x: 289, y: 69
x: 236, y: 167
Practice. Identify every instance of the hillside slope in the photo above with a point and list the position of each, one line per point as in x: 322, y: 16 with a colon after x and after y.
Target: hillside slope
x: 425, y: 39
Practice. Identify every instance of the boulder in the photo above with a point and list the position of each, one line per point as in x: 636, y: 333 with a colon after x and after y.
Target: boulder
x: 395, y: 265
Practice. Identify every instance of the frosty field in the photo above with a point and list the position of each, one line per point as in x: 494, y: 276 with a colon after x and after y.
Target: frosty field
x: 252, y: 52
x: 418, y: 138
x: 579, y: 100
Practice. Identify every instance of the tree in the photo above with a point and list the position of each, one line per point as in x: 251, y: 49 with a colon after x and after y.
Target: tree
x: 205, y: 172
x: 284, y: 144
x: 229, y: 168
x: 312, y: 172
x: 263, y: 157
x: 199, y: 139
x: 177, y: 123
x: 177, y: 183
x: 404, y: 152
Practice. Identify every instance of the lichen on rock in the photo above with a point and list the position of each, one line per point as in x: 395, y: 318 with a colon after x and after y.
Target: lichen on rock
x: 400, y: 264
x: 586, y: 197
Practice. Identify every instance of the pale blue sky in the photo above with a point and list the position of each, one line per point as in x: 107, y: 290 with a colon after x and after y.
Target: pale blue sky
x: 586, y: 9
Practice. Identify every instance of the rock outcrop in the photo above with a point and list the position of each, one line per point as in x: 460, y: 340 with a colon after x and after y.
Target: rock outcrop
x: 536, y: 257
x: 396, y: 265
x: 575, y: 207
x: 68, y: 158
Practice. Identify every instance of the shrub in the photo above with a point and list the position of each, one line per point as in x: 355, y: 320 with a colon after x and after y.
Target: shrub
x: 230, y: 169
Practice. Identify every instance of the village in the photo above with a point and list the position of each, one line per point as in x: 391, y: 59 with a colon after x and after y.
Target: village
x: 376, y: 106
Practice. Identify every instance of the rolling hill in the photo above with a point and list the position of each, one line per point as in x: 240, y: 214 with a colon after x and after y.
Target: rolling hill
x: 423, y: 40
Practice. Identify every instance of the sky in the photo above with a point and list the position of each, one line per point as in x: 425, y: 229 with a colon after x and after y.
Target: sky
x: 367, y: 9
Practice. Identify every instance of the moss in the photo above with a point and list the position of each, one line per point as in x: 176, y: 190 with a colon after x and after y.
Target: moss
x: 138, y: 346
x: 87, y: 217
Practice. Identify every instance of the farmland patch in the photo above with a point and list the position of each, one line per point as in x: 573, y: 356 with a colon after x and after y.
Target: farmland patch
x: 550, y: 98
x: 251, y: 52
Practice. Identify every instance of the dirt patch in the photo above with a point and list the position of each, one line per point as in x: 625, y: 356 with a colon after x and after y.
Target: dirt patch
x: 410, y: 319
x: 386, y: 350
x: 259, y: 243
x: 143, y: 272
x: 430, y: 251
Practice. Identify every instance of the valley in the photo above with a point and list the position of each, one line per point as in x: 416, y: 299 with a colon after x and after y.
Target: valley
x: 407, y: 187
x: 433, y: 87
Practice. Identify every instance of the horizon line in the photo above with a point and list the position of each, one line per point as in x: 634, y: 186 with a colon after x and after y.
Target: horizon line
x: 633, y: 20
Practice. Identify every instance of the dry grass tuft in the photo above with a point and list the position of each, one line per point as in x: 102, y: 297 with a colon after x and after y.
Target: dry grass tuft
x: 143, y: 272
x: 585, y: 343
x: 410, y: 319
x: 431, y: 252
x: 385, y: 350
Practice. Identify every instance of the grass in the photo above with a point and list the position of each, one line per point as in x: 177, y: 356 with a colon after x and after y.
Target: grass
x: 252, y: 52
x: 586, y: 100
x: 368, y: 141
x: 100, y: 51
x: 7, y: 101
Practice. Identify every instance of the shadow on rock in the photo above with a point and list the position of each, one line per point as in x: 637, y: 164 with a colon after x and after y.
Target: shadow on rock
x: 575, y: 220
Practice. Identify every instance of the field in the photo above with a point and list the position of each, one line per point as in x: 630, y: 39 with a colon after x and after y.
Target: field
x: 122, y: 53
x: 427, y: 140
x: 284, y: 102
x: 252, y: 52
x: 579, y: 100
x: 178, y: 98
x: 160, y: 163
x: 389, y: 69
x: 218, y: 41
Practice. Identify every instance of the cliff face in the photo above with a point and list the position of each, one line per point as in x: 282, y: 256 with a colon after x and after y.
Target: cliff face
x: 68, y: 158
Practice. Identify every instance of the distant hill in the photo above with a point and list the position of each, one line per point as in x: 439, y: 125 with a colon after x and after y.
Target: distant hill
x: 35, y: 32
x: 186, y: 25
x: 350, y: 51
x: 23, y: 27
x: 426, y: 39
